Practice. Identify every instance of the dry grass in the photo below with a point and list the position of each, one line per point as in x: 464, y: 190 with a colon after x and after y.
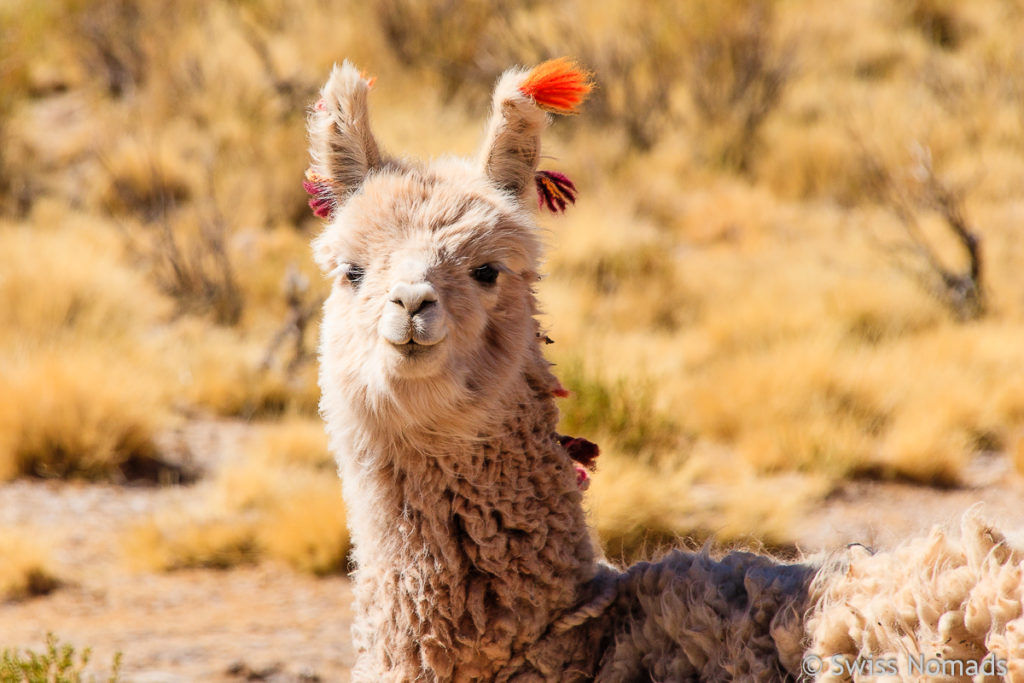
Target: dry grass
x: 280, y: 500
x: 24, y: 565
x: 293, y: 441
x: 226, y: 376
x: 639, y: 508
x: 718, y: 296
x: 76, y: 413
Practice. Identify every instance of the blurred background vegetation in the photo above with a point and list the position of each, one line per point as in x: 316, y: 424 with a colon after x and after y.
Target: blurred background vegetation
x: 796, y: 258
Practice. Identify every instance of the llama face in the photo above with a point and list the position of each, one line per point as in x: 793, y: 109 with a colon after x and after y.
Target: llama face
x: 432, y: 272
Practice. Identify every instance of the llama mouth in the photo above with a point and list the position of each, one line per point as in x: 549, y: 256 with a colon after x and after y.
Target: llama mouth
x: 412, y: 350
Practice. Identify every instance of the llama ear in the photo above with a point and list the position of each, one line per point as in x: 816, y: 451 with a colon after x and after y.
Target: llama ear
x: 341, y: 145
x: 512, y: 147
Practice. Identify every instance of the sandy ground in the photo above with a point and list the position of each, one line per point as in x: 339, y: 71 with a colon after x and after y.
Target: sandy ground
x: 265, y: 623
x: 269, y: 623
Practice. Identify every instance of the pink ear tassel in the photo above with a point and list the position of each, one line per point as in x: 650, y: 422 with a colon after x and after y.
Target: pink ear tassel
x: 554, y: 190
x: 582, y: 476
x: 321, y: 199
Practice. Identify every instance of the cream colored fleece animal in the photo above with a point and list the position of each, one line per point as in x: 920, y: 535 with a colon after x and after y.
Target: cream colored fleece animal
x: 473, y: 558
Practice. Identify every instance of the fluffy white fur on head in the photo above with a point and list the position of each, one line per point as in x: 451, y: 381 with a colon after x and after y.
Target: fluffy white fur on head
x: 433, y: 272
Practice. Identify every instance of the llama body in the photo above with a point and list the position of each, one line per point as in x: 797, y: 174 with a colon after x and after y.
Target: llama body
x: 466, y: 517
x: 474, y: 560
x: 446, y: 535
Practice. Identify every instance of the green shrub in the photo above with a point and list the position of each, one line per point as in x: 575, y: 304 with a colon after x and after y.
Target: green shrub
x: 56, y: 664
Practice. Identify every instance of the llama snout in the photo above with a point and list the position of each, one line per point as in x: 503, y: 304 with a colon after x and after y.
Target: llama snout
x: 413, y: 314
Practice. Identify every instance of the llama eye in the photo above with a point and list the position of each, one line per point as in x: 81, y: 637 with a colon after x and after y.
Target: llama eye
x: 355, y: 274
x: 485, y: 274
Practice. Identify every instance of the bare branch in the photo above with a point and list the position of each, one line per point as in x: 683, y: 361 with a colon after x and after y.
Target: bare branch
x: 300, y: 313
x: 923, y: 190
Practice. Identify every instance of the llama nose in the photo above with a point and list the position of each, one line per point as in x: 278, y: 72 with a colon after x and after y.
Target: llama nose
x: 413, y: 297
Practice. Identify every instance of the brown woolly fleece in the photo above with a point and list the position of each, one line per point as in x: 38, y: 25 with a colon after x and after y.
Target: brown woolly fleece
x: 474, y: 560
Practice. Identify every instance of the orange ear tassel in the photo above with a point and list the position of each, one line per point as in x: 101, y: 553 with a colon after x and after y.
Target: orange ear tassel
x: 557, y: 85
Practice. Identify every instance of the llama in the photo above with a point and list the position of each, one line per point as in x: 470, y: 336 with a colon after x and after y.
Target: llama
x: 473, y: 557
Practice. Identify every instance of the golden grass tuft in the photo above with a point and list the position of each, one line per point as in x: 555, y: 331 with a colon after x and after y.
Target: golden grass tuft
x: 77, y: 412
x: 639, y: 508
x: 306, y: 527
x: 279, y: 502
x: 166, y: 543
x: 24, y: 566
x: 146, y: 180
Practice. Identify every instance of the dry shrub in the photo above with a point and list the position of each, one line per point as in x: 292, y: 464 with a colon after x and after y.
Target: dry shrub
x: 624, y: 279
x: 925, y: 449
x: 112, y: 33
x: 184, y: 244
x: 192, y: 264
x: 267, y: 263
x: 252, y: 512
x: 880, y: 410
x: 639, y: 508
x: 280, y: 500
x: 913, y: 197
x: 146, y: 180
x: 469, y: 27
x: 733, y: 64
x: 24, y: 566
x: 307, y: 528
x: 168, y: 543
x: 939, y: 21
x: 224, y: 373
x: 620, y: 411
x: 78, y: 412
x: 882, y: 310
x: 815, y: 161
x: 737, y: 70
x: 638, y: 58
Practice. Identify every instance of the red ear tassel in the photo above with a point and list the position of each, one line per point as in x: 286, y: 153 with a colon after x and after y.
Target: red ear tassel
x: 554, y: 190
x: 557, y: 85
x: 583, y: 454
x: 582, y: 451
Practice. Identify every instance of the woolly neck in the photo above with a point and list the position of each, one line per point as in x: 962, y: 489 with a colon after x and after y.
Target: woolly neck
x: 466, y: 549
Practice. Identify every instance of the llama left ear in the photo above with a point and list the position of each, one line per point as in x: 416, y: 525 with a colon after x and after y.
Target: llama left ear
x: 518, y: 116
x: 341, y: 145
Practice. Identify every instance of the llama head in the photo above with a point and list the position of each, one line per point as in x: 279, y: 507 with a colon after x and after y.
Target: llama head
x: 433, y: 263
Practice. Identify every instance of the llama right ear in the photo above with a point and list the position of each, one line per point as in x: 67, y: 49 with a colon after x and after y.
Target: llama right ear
x: 512, y: 147
x: 341, y: 145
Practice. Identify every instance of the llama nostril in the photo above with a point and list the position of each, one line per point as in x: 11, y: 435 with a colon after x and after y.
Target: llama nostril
x: 414, y: 307
x: 413, y: 298
x: 426, y: 303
